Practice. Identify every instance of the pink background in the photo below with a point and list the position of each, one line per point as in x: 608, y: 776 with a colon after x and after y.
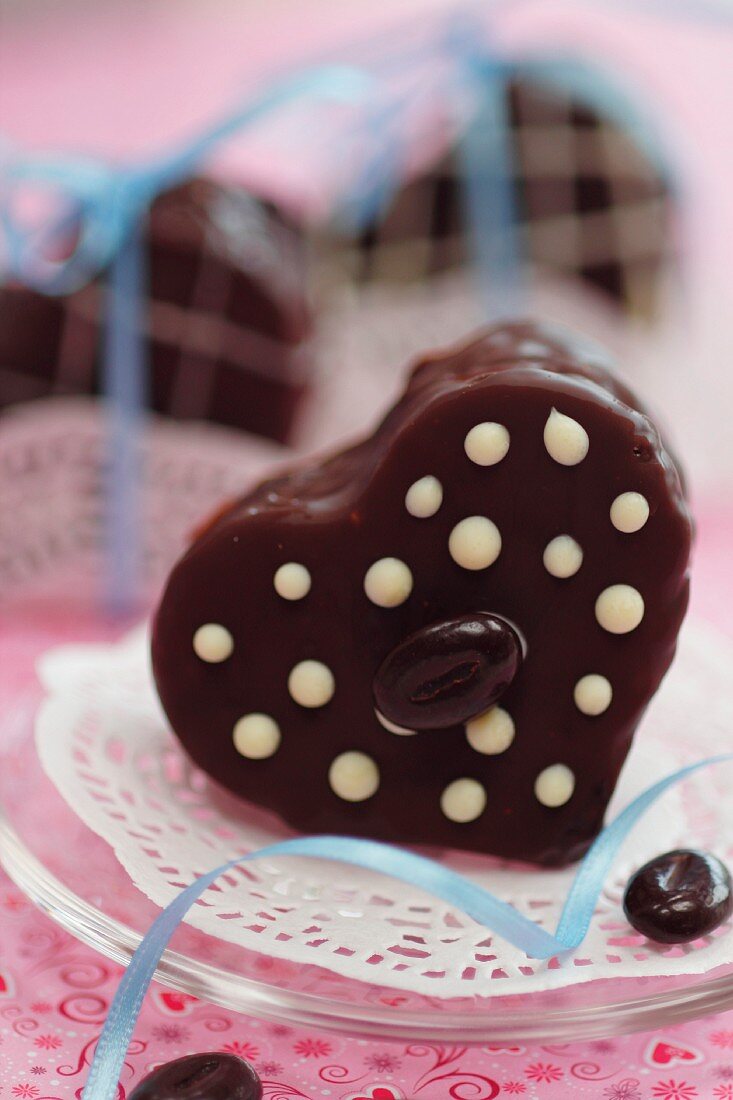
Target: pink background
x: 83, y: 82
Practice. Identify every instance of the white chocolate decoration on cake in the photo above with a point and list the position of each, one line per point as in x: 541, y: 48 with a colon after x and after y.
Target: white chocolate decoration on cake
x: 463, y: 800
x: 424, y: 497
x: 392, y: 727
x: 256, y: 736
x: 554, y: 786
x: 388, y: 582
x: 213, y: 643
x: 629, y: 512
x: 619, y: 609
x: 487, y: 443
x: 565, y: 439
x: 491, y: 733
x: 311, y: 684
x: 593, y: 694
x: 353, y: 776
x: 475, y: 543
x: 562, y: 557
x: 292, y: 581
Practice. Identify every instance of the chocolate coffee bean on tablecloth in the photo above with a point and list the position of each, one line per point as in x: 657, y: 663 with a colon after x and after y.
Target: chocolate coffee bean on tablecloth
x: 201, y: 1077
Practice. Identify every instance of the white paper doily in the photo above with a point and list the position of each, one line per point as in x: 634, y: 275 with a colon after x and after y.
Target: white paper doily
x: 103, y: 740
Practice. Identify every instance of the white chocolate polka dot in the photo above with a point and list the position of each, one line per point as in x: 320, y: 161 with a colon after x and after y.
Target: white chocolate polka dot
x: 213, y: 643
x: 353, y: 776
x: 593, y: 694
x: 292, y: 581
x: 554, y: 786
x: 563, y: 557
x: 565, y: 439
x: 311, y: 684
x: 629, y: 512
x: 619, y: 609
x: 401, y: 731
x: 491, y: 732
x: 487, y: 443
x: 256, y: 736
x: 475, y: 543
x: 388, y: 582
x: 424, y: 497
x: 463, y: 800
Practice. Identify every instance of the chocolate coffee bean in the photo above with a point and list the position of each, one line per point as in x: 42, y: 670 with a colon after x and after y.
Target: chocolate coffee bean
x: 447, y: 672
x: 679, y: 896
x: 201, y: 1077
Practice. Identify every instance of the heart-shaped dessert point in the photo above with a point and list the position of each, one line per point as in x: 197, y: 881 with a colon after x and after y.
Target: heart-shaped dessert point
x: 447, y: 633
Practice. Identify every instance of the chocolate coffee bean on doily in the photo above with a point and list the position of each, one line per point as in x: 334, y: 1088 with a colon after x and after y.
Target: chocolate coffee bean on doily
x: 679, y: 896
x: 201, y: 1077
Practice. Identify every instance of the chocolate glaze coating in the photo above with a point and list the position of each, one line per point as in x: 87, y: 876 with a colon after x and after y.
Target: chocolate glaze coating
x: 337, y: 516
x: 212, y: 1076
x: 679, y: 896
x: 447, y: 672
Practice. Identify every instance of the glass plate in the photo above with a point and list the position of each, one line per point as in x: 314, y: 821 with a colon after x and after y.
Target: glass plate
x: 75, y: 878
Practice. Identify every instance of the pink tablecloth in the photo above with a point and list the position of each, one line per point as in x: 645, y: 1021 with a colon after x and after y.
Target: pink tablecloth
x: 54, y: 993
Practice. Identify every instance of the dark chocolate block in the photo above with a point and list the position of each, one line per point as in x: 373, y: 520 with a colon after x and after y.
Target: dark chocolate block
x: 228, y: 322
x: 515, y: 478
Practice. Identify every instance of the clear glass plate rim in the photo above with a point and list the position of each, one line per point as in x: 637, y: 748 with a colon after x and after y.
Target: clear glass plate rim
x: 184, y: 974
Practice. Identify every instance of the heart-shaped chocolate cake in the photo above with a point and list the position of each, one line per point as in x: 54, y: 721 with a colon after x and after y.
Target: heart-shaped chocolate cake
x: 447, y: 633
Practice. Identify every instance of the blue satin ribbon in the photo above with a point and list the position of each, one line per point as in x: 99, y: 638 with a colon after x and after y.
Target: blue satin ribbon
x: 425, y: 874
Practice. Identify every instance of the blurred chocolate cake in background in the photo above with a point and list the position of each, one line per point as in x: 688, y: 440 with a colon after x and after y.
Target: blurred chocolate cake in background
x: 590, y: 204
x: 228, y: 323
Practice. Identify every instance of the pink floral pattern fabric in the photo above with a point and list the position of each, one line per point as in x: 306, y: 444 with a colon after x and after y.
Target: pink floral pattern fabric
x: 54, y: 994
